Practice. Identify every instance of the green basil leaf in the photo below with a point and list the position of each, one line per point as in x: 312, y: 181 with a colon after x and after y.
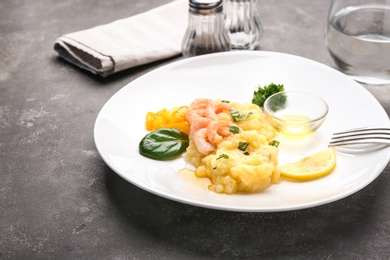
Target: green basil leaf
x: 163, y: 144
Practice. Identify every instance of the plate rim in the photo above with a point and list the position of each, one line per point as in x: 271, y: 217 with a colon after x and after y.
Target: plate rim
x: 222, y: 207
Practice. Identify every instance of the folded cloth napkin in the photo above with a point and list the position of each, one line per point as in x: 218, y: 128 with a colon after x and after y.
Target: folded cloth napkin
x: 126, y: 43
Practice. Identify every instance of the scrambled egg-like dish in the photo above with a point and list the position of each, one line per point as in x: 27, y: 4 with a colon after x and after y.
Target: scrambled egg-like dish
x: 238, y: 160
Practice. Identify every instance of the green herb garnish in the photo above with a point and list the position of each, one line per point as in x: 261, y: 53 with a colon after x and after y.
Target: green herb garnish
x: 234, y: 129
x: 163, y: 144
x: 243, y: 145
x: 278, y: 102
x: 223, y: 156
x: 262, y: 93
x: 239, y: 117
x: 274, y: 143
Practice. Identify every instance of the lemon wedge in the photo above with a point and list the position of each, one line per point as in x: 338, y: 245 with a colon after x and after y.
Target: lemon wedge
x: 311, y: 167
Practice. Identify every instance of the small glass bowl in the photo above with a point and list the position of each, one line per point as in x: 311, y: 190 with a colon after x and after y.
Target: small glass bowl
x: 295, y: 112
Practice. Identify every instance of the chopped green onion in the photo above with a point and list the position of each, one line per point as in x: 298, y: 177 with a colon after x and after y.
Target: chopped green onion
x: 238, y: 117
x: 223, y: 156
x: 234, y: 113
x: 243, y: 145
x: 274, y: 143
x: 234, y: 129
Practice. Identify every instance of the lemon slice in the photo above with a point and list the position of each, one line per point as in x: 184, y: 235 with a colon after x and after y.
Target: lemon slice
x: 311, y: 167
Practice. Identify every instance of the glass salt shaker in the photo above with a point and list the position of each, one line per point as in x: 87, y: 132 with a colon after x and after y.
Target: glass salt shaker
x: 242, y: 21
x: 206, y: 32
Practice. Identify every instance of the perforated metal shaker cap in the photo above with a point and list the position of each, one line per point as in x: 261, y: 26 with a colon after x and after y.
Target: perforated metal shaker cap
x: 205, y: 6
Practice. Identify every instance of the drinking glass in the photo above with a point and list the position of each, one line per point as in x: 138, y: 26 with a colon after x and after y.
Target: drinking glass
x: 358, y: 39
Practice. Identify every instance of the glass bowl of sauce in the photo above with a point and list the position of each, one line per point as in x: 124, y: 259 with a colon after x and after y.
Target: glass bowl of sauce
x: 295, y: 112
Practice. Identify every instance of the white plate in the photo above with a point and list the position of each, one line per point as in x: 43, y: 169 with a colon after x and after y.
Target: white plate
x: 234, y: 76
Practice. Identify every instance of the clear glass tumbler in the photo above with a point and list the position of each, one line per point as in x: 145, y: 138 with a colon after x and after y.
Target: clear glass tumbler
x: 358, y: 39
x: 243, y: 24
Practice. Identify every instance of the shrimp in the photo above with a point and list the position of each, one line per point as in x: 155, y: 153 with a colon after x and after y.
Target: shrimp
x: 197, y: 109
x: 193, y: 114
x: 205, y: 127
x: 200, y: 103
x: 201, y: 142
x: 216, y: 130
x: 198, y: 123
x: 215, y: 108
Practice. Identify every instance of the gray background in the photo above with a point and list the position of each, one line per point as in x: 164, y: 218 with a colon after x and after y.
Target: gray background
x: 59, y: 200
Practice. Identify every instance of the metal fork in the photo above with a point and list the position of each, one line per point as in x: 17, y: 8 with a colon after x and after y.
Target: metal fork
x: 369, y: 135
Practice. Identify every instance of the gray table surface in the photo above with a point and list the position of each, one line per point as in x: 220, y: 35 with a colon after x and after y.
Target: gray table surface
x: 59, y: 200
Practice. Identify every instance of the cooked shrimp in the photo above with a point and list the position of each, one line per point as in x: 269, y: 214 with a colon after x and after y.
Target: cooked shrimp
x: 198, y: 123
x: 200, y: 103
x: 193, y: 114
x: 215, y: 108
x: 216, y: 130
x: 200, y: 139
x: 205, y: 127
x: 197, y: 109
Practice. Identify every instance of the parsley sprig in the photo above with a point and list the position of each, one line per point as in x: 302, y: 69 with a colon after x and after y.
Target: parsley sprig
x: 262, y: 93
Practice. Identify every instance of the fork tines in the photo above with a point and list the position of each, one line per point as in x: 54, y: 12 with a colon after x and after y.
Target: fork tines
x: 379, y: 135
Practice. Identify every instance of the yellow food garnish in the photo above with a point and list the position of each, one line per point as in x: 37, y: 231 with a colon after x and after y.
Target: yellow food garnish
x: 175, y: 118
x: 311, y: 167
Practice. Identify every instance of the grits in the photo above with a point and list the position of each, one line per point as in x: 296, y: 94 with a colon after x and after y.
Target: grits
x: 230, y: 168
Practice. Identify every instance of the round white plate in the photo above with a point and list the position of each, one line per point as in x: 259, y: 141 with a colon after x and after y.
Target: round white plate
x: 235, y: 76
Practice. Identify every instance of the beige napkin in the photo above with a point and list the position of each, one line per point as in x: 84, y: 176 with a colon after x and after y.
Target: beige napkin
x: 126, y: 43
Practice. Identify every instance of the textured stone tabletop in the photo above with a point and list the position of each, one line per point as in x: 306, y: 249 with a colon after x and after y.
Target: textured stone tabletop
x: 59, y: 200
